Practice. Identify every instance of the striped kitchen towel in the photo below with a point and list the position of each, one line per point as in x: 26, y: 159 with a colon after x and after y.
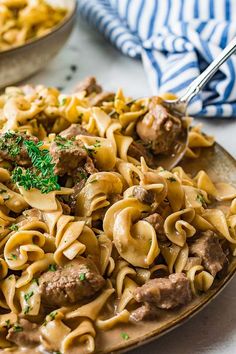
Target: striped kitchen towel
x: 176, y: 40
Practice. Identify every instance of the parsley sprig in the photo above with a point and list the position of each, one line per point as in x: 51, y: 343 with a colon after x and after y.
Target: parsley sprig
x: 10, y: 142
x: 41, y: 175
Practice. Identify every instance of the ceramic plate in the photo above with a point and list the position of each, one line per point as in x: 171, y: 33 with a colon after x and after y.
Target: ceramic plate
x: 221, y: 167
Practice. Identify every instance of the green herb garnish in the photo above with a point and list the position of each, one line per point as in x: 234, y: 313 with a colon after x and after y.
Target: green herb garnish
x: 28, y: 296
x: 92, y: 150
x: 63, y: 143
x: 124, y: 336
x: 7, y: 324
x: 14, y: 227
x: 172, y: 179
x: 14, y: 256
x: 17, y: 328
x: 93, y: 181
x: 36, y: 280
x: 82, y: 276
x: 83, y: 175
x: 52, y: 315
x: 27, y: 309
x: 52, y: 267
x: 10, y: 142
x: 41, y: 176
x: 200, y: 198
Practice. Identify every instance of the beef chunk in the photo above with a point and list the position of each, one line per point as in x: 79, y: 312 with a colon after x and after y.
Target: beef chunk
x: 159, y: 128
x: 156, y: 220
x: 77, y: 280
x: 12, y: 147
x: 33, y: 214
x: 89, y: 84
x: 69, y: 156
x: 144, y: 312
x: 77, y: 188
x: 143, y: 195
x: 73, y: 131
x: 24, y: 334
x: 138, y: 150
x: 114, y: 198
x: 165, y: 293
x: 102, y: 97
x: 208, y: 248
x: 192, y: 262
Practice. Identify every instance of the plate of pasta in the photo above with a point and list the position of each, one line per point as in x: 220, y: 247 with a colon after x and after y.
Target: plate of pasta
x: 101, y: 248
x: 31, y: 33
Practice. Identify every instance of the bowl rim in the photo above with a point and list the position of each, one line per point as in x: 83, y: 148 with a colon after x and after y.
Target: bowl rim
x: 68, y: 18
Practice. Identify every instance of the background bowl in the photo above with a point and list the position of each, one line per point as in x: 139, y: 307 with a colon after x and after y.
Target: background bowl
x: 18, y: 63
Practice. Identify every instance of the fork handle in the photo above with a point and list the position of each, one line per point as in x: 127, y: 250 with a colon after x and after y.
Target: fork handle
x: 194, y: 88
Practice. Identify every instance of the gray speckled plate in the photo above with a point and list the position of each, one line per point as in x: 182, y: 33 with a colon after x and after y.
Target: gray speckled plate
x: 221, y: 167
x: 18, y: 63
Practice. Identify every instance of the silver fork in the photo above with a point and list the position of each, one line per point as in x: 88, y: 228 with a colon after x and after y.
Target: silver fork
x: 179, y: 106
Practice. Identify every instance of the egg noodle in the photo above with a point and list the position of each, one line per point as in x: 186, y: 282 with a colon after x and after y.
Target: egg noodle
x: 108, y: 223
x: 25, y: 20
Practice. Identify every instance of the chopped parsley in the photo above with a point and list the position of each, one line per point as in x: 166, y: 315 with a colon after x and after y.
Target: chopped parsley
x: 52, y: 315
x: 14, y: 256
x: 52, y: 267
x: 124, y: 335
x: 200, y: 199
x: 10, y: 142
x: 28, y: 296
x: 17, y: 328
x: 36, y: 280
x: 172, y: 179
x: 82, y: 276
x: 27, y: 309
x: 93, y: 181
x: 83, y: 175
x: 63, y: 101
x: 14, y: 227
x: 7, y: 324
x: 92, y: 150
x: 63, y: 143
x: 41, y: 176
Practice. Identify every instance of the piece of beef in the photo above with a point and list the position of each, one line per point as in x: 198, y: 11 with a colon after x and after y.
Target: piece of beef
x: 192, y: 262
x: 138, y: 150
x: 69, y: 157
x: 12, y: 147
x: 114, y: 198
x: 24, y: 334
x: 144, y: 312
x: 89, y: 84
x: 77, y: 280
x: 143, y: 195
x: 77, y: 188
x: 102, y: 97
x: 33, y: 214
x: 159, y: 128
x: 208, y: 248
x: 157, y: 221
x: 73, y: 131
x: 89, y: 166
x: 165, y: 293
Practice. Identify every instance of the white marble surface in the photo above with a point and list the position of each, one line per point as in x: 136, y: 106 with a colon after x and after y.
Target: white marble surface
x: 213, y: 331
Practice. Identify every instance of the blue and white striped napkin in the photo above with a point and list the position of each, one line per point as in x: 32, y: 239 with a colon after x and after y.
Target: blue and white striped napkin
x: 176, y: 40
